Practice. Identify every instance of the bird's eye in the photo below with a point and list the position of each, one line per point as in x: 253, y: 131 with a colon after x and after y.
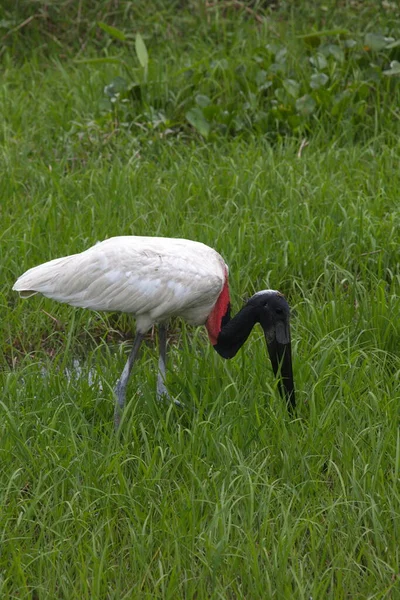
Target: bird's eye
x: 279, y: 311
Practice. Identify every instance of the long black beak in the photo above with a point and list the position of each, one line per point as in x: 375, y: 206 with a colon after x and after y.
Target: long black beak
x: 280, y: 353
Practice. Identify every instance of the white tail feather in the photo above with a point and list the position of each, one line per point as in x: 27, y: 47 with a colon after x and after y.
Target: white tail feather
x: 40, y: 279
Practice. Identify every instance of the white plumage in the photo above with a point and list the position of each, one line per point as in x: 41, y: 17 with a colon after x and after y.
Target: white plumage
x: 151, y: 278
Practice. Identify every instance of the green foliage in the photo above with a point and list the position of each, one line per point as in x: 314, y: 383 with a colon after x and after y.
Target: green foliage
x: 258, y: 77
x: 273, y: 88
x: 276, y: 142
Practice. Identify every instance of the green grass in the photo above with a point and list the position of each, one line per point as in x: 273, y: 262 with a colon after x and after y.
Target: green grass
x: 234, y: 499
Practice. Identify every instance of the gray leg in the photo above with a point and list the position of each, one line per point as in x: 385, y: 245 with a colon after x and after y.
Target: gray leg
x: 162, y: 391
x: 162, y: 341
x: 120, y: 388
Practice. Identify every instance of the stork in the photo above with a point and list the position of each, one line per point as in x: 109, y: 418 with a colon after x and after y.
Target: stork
x: 156, y: 278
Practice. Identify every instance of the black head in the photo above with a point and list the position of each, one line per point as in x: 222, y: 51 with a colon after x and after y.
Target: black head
x: 273, y: 314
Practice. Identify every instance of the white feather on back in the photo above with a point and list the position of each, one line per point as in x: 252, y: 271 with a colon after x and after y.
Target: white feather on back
x: 152, y: 278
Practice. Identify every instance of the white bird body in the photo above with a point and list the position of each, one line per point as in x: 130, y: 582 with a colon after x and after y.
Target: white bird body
x: 152, y: 278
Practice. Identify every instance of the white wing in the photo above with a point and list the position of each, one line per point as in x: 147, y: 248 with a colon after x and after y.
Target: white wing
x: 152, y: 278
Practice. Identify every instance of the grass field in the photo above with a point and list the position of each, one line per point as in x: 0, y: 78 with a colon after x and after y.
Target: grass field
x: 271, y: 134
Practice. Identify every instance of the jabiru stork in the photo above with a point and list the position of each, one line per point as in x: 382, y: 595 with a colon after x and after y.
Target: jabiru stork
x: 155, y: 278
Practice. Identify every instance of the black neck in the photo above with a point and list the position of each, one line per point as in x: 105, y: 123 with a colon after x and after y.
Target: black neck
x: 234, y: 332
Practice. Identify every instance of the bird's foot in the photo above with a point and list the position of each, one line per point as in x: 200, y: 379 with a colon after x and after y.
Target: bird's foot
x: 163, y: 394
